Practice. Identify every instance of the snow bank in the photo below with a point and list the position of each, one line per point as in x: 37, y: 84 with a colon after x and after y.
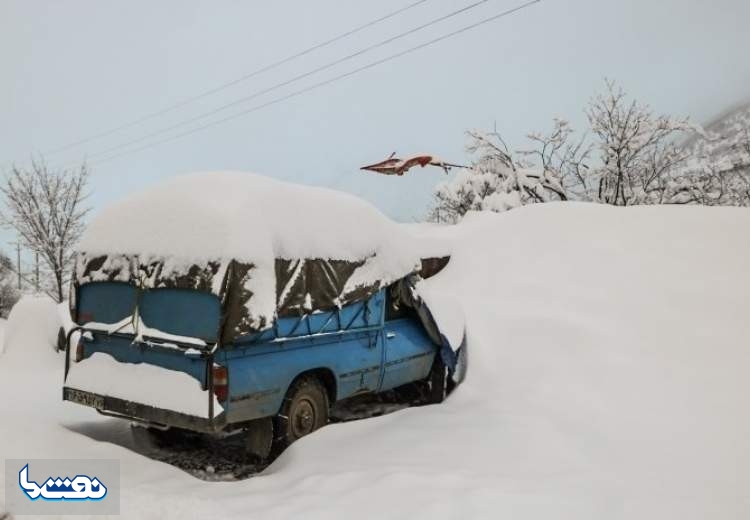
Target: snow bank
x: 608, y: 362
x: 31, y: 331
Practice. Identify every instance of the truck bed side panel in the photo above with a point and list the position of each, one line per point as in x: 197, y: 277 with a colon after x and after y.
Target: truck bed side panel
x: 260, y: 375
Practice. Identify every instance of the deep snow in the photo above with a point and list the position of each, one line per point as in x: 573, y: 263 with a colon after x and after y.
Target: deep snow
x: 608, y: 362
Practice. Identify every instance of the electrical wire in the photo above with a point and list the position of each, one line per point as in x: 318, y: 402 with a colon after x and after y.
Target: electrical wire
x: 233, y: 82
x: 287, y: 82
x: 325, y: 82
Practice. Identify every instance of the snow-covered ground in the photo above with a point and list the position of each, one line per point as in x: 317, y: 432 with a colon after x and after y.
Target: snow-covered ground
x: 609, y: 353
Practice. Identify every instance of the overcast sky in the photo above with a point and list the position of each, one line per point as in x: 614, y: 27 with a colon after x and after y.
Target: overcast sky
x: 74, y: 68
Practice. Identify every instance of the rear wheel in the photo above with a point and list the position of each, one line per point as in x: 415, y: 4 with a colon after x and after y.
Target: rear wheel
x: 305, y: 409
x: 438, y: 381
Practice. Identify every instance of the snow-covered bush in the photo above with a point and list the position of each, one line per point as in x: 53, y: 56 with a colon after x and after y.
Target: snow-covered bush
x: 628, y: 156
x: 708, y: 183
x: 646, y: 159
x: 493, y: 182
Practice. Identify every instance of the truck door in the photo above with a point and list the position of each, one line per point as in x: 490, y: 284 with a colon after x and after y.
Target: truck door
x: 409, y: 352
x: 359, y: 356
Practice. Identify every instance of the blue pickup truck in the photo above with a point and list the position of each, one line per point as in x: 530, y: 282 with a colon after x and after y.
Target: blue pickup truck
x: 277, y: 385
x: 183, y: 344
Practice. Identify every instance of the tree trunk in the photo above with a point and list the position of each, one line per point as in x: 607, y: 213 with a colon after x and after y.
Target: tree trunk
x: 59, y: 283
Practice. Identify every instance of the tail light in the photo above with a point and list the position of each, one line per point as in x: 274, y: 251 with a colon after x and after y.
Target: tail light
x: 221, y: 382
x: 80, y: 350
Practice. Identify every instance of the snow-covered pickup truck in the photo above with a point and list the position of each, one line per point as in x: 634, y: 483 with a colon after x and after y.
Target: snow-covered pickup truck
x: 191, y: 317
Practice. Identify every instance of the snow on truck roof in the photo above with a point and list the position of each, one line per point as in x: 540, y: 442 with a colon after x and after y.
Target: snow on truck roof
x: 246, y: 216
x: 267, y: 248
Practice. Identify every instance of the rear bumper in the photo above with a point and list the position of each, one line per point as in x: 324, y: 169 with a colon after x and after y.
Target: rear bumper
x: 142, y: 413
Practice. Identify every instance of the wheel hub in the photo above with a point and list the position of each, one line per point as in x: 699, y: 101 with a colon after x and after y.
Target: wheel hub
x: 303, y: 418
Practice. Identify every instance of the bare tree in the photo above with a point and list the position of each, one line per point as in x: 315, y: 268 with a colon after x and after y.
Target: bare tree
x: 46, y: 209
x: 637, y: 149
x: 564, y: 157
x: 628, y: 156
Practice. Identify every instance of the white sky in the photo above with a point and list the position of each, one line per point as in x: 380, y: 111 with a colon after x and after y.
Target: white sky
x: 76, y: 67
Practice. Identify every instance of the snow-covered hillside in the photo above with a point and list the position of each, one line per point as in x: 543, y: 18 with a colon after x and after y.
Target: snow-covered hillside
x: 726, y: 141
x: 609, y: 356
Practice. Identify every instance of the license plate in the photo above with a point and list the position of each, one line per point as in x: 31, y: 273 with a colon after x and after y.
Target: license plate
x: 84, y: 398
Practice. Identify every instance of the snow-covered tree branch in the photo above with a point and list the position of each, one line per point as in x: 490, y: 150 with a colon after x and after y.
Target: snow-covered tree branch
x: 720, y: 164
x: 564, y: 156
x: 628, y: 156
x: 637, y: 150
x: 493, y: 182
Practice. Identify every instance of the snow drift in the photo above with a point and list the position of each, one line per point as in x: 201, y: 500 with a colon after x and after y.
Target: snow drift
x: 608, y: 362
x: 30, y: 333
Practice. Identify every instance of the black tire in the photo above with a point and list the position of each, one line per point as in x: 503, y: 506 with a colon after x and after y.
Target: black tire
x: 438, y: 381
x: 304, y: 410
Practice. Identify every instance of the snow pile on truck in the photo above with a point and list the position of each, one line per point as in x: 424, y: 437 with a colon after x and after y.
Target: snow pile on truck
x: 266, y: 248
x: 157, y: 387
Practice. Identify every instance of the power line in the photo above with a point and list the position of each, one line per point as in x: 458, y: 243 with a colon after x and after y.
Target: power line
x: 233, y: 82
x: 277, y: 86
x: 323, y: 83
